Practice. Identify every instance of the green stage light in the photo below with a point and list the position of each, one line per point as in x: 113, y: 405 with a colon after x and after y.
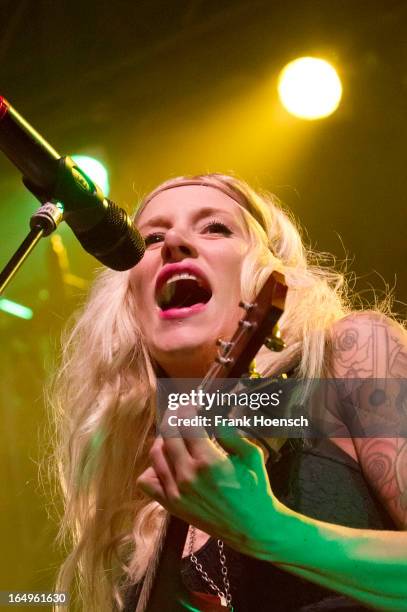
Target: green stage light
x: 309, y: 88
x: 17, y: 310
x: 95, y: 170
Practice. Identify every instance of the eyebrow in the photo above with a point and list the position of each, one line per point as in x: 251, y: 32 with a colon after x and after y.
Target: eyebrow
x: 158, y: 221
x: 162, y: 221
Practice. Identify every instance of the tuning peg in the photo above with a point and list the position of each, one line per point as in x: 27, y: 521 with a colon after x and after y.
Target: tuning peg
x: 224, y: 345
x: 225, y: 361
x: 246, y: 324
x: 246, y: 305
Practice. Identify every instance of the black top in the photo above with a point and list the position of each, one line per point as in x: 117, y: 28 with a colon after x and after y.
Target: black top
x: 320, y: 481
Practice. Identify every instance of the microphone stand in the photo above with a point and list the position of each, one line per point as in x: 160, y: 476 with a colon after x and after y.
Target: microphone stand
x: 70, y: 184
x: 42, y: 223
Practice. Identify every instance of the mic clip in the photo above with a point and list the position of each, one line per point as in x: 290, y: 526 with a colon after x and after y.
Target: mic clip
x: 47, y: 217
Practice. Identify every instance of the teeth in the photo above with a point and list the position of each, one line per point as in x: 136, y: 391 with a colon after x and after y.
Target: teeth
x: 168, y: 290
x: 183, y: 276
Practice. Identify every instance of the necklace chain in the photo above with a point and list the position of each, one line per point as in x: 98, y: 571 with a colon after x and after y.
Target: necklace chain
x: 225, y: 595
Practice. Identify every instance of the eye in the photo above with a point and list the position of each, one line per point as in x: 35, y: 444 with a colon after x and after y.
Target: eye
x: 217, y: 227
x: 153, y: 238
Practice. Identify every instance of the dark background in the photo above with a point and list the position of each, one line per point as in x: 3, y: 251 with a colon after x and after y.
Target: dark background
x: 156, y: 89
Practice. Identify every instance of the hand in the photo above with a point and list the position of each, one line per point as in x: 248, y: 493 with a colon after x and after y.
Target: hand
x: 223, y: 490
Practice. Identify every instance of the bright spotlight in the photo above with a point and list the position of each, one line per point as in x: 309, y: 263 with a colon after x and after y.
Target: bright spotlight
x: 309, y: 88
x: 95, y: 170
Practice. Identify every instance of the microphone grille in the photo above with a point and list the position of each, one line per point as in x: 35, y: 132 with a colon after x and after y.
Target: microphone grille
x: 114, y: 241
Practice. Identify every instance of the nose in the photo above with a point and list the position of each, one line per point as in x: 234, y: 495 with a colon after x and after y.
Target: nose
x: 177, y: 246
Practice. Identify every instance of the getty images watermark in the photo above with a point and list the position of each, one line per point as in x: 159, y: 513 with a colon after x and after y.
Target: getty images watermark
x: 283, y: 407
x: 231, y: 404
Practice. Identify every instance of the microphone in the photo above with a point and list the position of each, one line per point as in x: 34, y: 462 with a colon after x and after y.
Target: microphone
x: 103, y: 229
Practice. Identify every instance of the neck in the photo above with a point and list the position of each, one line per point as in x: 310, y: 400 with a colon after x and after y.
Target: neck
x: 193, y: 364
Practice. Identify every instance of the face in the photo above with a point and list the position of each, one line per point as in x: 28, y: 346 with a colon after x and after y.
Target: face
x: 187, y: 286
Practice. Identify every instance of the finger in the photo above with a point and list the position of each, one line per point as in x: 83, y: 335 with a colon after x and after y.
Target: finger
x: 183, y: 452
x: 151, y: 485
x: 175, y: 466
x: 180, y: 461
x: 204, y: 450
x: 163, y: 470
x: 235, y: 444
x: 186, y: 423
x: 190, y: 435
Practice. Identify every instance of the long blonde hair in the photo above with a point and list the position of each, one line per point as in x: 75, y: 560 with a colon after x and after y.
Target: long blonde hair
x: 103, y: 397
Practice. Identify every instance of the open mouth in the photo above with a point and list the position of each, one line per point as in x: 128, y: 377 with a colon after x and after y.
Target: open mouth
x: 183, y: 290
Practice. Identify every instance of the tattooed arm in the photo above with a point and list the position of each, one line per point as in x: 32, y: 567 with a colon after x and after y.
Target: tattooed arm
x: 369, y: 354
x: 368, y: 565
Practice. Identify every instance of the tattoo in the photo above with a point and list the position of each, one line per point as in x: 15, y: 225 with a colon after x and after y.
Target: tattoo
x: 384, y: 461
x: 366, y: 345
x: 369, y: 354
x: 351, y: 354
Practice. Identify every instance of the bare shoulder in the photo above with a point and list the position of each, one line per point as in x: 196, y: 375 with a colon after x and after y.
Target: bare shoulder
x: 367, y: 344
x: 371, y: 347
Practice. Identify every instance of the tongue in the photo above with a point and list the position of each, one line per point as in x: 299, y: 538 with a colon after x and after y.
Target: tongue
x: 183, y: 293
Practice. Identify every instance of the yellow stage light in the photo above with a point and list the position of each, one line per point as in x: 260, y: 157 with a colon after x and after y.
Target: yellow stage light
x: 309, y: 88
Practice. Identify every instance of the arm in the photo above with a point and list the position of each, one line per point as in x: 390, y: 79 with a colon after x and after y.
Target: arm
x: 369, y: 352
x: 196, y: 482
x: 369, y: 566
